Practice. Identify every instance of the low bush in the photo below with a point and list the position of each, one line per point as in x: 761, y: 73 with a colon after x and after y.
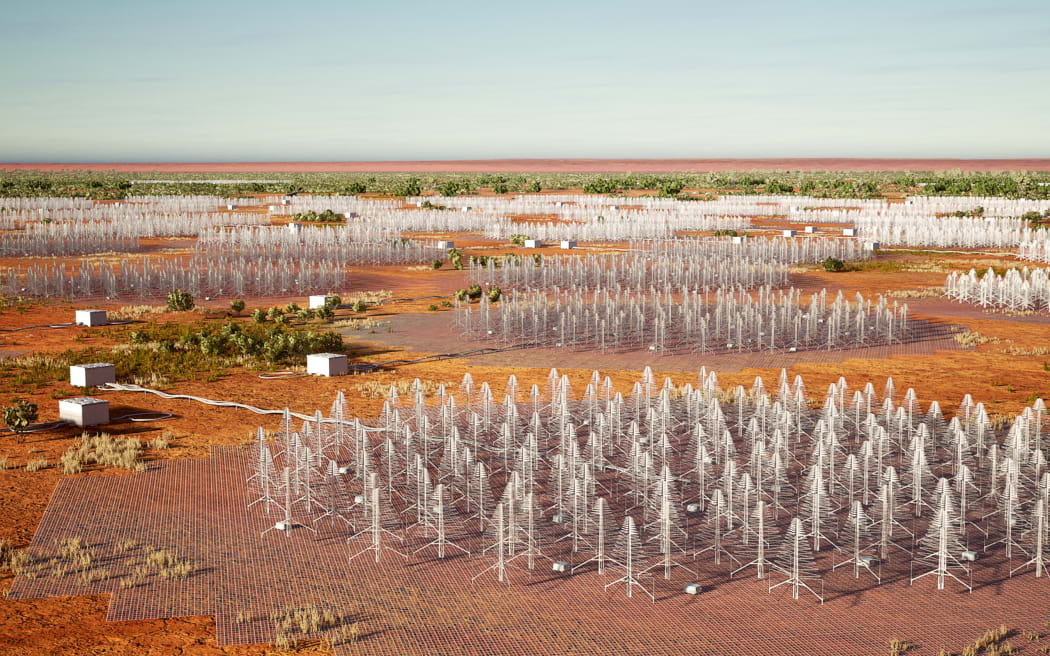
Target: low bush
x: 180, y: 301
x: 833, y: 264
x: 20, y: 416
x: 324, y: 313
x: 327, y: 216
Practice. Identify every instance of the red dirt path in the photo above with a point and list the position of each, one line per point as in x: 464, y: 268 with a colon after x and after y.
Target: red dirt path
x: 555, y: 165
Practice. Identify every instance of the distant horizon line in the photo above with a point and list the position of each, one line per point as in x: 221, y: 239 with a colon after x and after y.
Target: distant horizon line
x: 554, y: 165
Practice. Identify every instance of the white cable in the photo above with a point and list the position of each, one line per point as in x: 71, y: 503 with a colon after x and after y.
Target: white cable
x: 121, y: 387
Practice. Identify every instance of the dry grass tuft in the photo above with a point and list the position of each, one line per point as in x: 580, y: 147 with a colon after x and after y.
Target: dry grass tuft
x: 375, y: 389
x: 168, y: 565
x: 162, y: 441
x: 971, y: 339
x: 153, y: 380
x: 1017, y: 350
x: 358, y: 324
x: 370, y: 297
x: 36, y: 464
x: 123, y: 452
x: 294, y: 624
x: 136, y: 311
x: 989, y: 643
x: 925, y: 292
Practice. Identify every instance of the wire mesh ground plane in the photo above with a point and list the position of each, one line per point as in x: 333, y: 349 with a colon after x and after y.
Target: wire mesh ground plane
x: 182, y: 539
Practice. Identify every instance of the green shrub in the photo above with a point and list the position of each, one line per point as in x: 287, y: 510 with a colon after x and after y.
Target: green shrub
x: 436, y: 264
x: 327, y: 216
x: 494, y: 294
x: 273, y: 313
x: 355, y: 188
x: 833, y: 264
x: 304, y: 314
x: 500, y: 188
x: 601, y: 186
x: 20, y: 416
x: 258, y: 315
x: 237, y: 306
x: 359, y: 306
x: 138, y: 337
x: 180, y: 301
x: 291, y: 308
x: 324, y: 313
x: 332, y: 302
x: 535, y: 187
x: 671, y: 189
x: 410, y: 187
x: 432, y: 308
x: 474, y: 292
x: 448, y: 188
x: 461, y: 295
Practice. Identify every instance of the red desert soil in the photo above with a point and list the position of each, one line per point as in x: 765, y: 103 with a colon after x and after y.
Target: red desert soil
x: 554, y: 165
x: 1003, y: 373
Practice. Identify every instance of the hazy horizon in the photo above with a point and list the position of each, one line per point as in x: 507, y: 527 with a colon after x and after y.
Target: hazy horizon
x: 244, y: 82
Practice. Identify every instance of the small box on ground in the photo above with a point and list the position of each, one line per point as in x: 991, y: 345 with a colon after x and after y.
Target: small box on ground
x: 849, y: 232
x: 969, y: 556
x: 871, y: 245
x: 231, y: 206
x: 788, y: 233
x: 560, y: 566
x: 568, y: 244
x: 319, y: 301
x: 533, y: 243
x: 812, y: 230
x: 693, y: 589
x: 92, y: 375
x: 739, y: 239
x: 91, y: 318
x: 84, y: 411
x: 326, y: 364
x: 350, y: 215
x: 295, y: 228
x: 446, y: 244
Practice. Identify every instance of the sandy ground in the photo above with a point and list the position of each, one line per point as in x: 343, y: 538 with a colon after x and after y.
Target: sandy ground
x: 554, y: 165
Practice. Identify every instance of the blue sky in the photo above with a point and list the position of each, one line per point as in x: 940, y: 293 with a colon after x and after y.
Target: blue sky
x: 239, y: 80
